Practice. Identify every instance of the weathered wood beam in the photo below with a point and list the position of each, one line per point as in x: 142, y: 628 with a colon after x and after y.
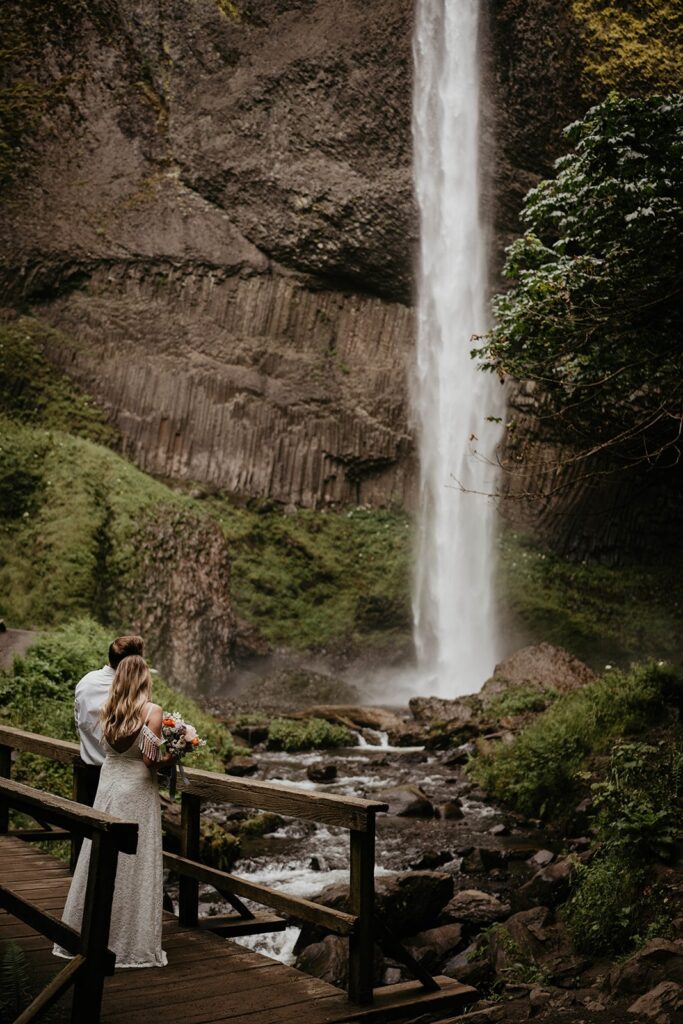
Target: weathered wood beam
x: 300, y: 909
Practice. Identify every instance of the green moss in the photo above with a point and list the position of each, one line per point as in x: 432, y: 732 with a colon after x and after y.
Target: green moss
x: 260, y: 825
x: 33, y: 391
x: 320, y: 579
x: 633, y: 46
x: 606, y: 615
x: 520, y: 700
x: 309, y: 734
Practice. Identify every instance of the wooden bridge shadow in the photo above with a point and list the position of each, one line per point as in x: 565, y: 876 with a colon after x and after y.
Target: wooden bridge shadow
x: 209, y: 978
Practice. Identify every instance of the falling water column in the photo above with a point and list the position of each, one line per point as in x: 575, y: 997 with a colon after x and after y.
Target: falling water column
x: 455, y: 628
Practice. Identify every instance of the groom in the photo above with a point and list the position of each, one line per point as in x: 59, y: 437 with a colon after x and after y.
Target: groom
x: 91, y: 693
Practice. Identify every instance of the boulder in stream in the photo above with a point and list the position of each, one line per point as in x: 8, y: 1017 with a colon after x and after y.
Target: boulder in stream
x: 407, y: 903
x: 321, y: 773
x: 547, y: 887
x: 474, y: 907
x: 407, y: 802
x: 432, y: 947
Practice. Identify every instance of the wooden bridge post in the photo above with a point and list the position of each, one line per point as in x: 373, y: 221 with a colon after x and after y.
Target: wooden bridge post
x: 89, y: 984
x: 361, y: 940
x: 5, y: 773
x: 188, y: 888
x: 80, y: 794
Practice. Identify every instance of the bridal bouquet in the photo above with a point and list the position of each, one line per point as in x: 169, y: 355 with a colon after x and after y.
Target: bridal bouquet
x: 180, y: 739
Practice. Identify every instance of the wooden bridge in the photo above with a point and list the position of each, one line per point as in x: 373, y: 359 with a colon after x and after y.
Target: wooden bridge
x: 209, y: 978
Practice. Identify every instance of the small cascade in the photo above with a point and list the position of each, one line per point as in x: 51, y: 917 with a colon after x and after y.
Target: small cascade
x: 454, y: 613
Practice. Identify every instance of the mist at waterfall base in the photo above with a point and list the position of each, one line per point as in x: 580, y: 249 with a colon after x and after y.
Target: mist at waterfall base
x: 456, y: 635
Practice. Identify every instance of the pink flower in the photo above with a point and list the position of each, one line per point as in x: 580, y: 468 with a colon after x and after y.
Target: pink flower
x: 190, y: 733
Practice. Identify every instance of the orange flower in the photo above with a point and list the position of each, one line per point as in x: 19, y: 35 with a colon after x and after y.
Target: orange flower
x: 169, y: 721
x: 195, y: 741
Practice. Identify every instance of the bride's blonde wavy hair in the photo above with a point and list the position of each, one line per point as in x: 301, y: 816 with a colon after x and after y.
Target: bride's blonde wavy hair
x: 131, y: 689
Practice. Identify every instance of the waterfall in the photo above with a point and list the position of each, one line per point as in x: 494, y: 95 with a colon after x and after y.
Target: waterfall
x: 453, y: 600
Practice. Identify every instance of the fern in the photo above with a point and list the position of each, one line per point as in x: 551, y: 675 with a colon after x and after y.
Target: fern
x: 15, y: 988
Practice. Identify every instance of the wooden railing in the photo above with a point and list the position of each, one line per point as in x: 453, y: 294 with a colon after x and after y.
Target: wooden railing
x: 360, y: 923
x: 92, y: 960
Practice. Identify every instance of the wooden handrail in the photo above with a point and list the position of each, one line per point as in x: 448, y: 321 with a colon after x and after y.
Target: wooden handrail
x: 33, y: 743
x: 344, y: 811
x: 348, y: 812
x: 78, y: 818
x: 92, y: 958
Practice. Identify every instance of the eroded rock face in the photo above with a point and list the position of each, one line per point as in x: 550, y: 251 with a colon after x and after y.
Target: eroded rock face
x: 175, y: 593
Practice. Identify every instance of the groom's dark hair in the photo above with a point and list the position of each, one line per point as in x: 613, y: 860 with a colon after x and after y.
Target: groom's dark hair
x: 124, y: 646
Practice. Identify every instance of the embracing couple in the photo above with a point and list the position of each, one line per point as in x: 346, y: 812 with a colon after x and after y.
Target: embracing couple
x: 120, y: 733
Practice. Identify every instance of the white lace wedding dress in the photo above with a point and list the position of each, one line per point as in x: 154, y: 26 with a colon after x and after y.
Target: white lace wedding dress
x: 130, y: 791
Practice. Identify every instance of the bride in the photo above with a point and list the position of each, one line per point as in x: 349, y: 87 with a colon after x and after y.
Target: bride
x: 131, y: 726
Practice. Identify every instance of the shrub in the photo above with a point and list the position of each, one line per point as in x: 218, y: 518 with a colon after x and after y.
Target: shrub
x: 603, y: 912
x: 519, y: 700
x: 538, y: 773
x: 309, y: 734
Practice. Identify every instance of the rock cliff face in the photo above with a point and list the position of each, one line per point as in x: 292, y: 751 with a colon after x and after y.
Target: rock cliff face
x: 216, y: 205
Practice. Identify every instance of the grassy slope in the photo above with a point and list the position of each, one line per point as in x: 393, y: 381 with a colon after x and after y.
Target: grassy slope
x: 605, y: 615
x: 68, y: 506
x: 308, y: 580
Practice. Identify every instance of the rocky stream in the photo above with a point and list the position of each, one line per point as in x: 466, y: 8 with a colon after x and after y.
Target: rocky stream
x: 471, y: 890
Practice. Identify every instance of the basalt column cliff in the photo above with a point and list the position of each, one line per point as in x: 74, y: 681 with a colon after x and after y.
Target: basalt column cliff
x: 213, y: 202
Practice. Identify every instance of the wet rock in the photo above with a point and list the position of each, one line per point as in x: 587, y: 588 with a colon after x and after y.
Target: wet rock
x: 439, y: 709
x: 539, y: 998
x: 660, y: 1004
x: 541, y: 667
x: 433, y: 946
x: 241, y: 766
x: 499, y: 830
x: 471, y: 966
x: 327, y: 960
x: 452, y: 810
x: 407, y: 802
x: 461, y: 755
x: 658, y: 960
x: 252, y: 734
x: 432, y: 859
x: 493, y: 859
x: 548, y: 887
x: 542, y: 858
x: 472, y: 906
x: 524, y: 934
x: 322, y: 772
x: 407, y: 903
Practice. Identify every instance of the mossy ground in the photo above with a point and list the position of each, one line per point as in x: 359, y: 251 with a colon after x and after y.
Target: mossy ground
x: 605, y: 615
x: 315, y: 580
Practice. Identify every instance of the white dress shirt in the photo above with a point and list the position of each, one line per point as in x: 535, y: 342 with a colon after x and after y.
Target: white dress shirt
x: 91, y: 693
